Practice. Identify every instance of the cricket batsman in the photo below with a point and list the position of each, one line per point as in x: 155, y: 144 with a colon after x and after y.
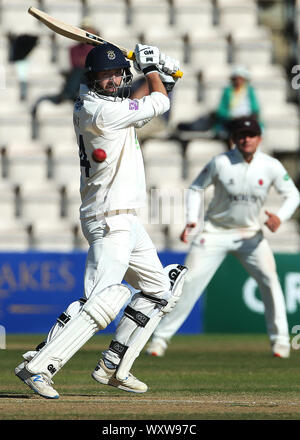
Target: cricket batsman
x: 112, y: 190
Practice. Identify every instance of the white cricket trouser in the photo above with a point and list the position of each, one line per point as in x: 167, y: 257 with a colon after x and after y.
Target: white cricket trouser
x: 120, y: 248
x: 206, y: 254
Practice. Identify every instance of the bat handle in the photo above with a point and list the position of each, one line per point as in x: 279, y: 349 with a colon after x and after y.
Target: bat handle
x: 178, y: 74
x: 130, y: 55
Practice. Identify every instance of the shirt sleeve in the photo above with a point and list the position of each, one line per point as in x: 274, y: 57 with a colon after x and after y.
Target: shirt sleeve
x: 193, y: 205
x: 206, y: 176
x: 122, y: 114
x: 141, y: 124
x: 195, y: 192
x: 286, y: 187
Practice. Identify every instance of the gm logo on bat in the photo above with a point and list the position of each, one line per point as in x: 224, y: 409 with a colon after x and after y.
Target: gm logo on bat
x: 94, y: 37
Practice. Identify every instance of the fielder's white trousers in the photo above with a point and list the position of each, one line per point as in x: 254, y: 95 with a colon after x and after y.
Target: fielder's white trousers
x: 206, y: 254
x: 119, y: 248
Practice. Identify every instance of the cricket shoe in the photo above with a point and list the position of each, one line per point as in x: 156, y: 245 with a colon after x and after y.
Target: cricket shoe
x: 281, y: 351
x: 107, y: 376
x: 39, y: 383
x: 157, y: 347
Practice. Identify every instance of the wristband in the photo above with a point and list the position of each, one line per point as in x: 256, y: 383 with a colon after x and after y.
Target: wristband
x: 150, y: 69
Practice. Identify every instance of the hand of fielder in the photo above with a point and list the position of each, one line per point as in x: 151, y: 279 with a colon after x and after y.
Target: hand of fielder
x: 273, y: 221
x: 186, y: 231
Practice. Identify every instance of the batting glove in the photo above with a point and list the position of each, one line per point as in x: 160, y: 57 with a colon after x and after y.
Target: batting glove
x: 167, y: 80
x: 167, y: 64
x: 146, y: 58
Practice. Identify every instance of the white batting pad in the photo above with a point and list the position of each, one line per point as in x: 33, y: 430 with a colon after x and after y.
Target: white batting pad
x: 99, y: 311
x: 176, y: 274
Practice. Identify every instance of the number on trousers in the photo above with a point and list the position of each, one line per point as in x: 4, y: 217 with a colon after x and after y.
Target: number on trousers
x: 83, y: 157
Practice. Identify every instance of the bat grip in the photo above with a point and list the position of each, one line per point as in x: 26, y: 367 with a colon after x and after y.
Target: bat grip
x: 130, y: 56
x: 177, y: 74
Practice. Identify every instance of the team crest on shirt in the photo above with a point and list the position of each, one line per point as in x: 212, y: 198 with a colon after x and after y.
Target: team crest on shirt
x: 133, y: 105
x: 260, y: 182
x: 111, y: 55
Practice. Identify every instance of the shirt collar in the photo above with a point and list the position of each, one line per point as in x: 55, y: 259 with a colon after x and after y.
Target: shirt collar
x: 240, y: 157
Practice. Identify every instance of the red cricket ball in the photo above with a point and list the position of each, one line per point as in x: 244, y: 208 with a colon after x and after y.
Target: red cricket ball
x: 99, y: 155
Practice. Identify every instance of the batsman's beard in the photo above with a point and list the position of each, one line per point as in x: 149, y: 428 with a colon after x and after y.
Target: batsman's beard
x: 112, y: 89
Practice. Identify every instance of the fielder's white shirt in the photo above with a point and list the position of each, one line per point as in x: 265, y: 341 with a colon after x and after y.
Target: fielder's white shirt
x: 109, y: 124
x: 240, y: 190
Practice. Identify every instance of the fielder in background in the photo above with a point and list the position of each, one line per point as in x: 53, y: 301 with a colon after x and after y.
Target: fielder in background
x: 242, y: 178
x: 112, y: 189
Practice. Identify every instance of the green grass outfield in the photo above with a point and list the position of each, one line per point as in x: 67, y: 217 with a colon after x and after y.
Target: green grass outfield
x: 202, y: 377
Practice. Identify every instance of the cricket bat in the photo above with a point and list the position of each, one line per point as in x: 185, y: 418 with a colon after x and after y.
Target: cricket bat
x: 75, y: 33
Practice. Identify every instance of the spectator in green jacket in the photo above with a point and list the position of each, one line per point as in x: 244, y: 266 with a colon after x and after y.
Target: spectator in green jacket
x: 238, y: 100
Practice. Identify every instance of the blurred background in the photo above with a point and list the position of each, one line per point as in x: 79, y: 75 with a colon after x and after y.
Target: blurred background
x: 42, y: 250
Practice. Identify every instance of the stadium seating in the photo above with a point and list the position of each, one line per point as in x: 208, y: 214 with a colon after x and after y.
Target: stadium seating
x: 14, y: 235
x: 192, y: 14
x: 143, y: 12
x: 40, y: 179
x: 70, y: 11
x: 40, y: 202
x: 72, y: 200
x: 8, y: 201
x: 52, y: 236
x: 15, y: 11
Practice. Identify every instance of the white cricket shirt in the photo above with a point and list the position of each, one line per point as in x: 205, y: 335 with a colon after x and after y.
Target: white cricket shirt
x: 109, y: 124
x: 240, y: 190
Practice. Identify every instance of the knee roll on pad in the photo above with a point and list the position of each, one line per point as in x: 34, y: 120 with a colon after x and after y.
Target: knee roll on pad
x: 99, y: 311
x: 65, y: 317
x: 176, y: 274
x: 73, y: 309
